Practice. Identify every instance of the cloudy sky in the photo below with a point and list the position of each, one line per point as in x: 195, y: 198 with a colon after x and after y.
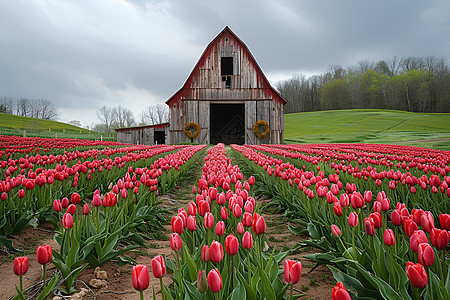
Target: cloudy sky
x: 83, y: 54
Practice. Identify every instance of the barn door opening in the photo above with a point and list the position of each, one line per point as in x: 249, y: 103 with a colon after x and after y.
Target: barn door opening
x: 160, y: 137
x: 227, y: 123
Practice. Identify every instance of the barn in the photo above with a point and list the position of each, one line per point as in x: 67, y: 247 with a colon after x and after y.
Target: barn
x: 143, y: 135
x: 226, y: 99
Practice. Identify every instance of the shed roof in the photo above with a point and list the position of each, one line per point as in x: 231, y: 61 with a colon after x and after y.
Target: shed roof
x: 252, y: 58
x: 162, y: 125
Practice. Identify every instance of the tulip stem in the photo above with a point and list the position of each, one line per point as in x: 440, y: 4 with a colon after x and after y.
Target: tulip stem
x: 141, y: 292
x: 44, y: 275
x: 249, y: 267
x: 20, y: 281
x: 162, y: 288
x: 292, y: 291
x: 443, y: 267
x: 353, y: 243
x: 393, y: 269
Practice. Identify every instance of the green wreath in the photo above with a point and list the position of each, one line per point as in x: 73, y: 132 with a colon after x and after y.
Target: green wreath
x: 189, y: 126
x: 256, y: 127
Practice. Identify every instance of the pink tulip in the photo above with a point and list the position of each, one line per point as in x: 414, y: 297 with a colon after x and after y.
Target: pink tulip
x: 247, y: 240
x: 353, y: 219
x: 292, y: 271
x: 417, y: 238
x: 75, y: 198
x: 231, y: 245
x: 240, y: 228
x: 177, y: 224
x: 175, y: 241
x: 208, y: 220
x: 223, y: 213
x: 215, y: 281
x: 389, y: 237
x: 335, y: 230
x: 140, y: 277
x: 86, y: 209
x: 67, y: 221
x: 220, y: 228
x: 191, y: 223
x: 426, y: 254
x: 205, y: 253
x: 158, y: 266
x: 216, y: 252
x: 57, y: 205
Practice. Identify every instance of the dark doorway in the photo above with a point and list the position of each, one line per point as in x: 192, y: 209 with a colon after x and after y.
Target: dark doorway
x: 160, y: 137
x: 227, y: 123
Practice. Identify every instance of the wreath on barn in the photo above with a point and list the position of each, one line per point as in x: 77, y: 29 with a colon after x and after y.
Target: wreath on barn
x: 188, y: 130
x: 256, y: 127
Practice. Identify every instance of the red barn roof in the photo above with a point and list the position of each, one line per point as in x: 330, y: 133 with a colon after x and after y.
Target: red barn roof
x: 265, y: 85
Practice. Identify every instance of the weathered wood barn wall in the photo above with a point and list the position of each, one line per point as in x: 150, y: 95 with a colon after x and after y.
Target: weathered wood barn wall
x: 144, y: 135
x: 226, y: 73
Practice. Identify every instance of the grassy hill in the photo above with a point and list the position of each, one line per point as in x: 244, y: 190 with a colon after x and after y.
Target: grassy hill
x: 369, y: 126
x: 15, y: 125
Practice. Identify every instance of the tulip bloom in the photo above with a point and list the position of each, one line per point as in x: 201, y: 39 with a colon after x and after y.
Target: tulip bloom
x: 416, y: 239
x: 20, y: 265
x: 75, y: 198
x: 191, y: 223
x: 353, y: 219
x: 96, y: 200
x: 208, y: 220
x: 417, y: 275
x: 64, y: 202
x: 369, y: 226
x: 231, y: 245
x: 410, y: 227
x: 389, y: 237
x: 57, y: 205
x: 240, y: 228
x: 140, y: 277
x: 258, y: 224
x: 224, y: 213
x: 158, y: 266
x: 335, y: 230
x: 202, y: 282
x: 396, y: 217
x: 377, y: 219
x: 215, y: 281
x: 292, y: 271
x: 444, y: 220
x: 175, y: 241
x: 426, y: 254
x: 192, y: 208
x: 439, y: 238
x: 44, y: 254
x: 177, y: 224
x: 205, y: 253
x: 340, y: 293
x: 67, y: 221
x: 247, y: 219
x: 216, y: 252
x: 220, y: 228
x: 247, y: 240
x: 72, y: 209
x: 337, y: 208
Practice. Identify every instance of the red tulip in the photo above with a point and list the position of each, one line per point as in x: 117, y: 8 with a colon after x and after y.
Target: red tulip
x: 426, y: 254
x: 410, y: 227
x: 247, y: 219
x: 220, y: 228
x: 356, y: 200
x: 389, y: 237
x: 216, y: 252
x: 340, y: 293
x: 439, y: 238
x: 368, y: 197
x: 292, y: 271
x: 158, y: 266
x: 44, y: 254
x: 192, y: 208
x: 140, y: 277
x: 231, y: 245
x: 21, y: 193
x: 396, y: 217
x: 67, y: 221
x: 240, y: 228
x: 75, y: 198
x: 215, y: 281
x: 191, y: 223
x: 337, y: 208
x: 175, y: 241
x: 251, y: 180
x: 96, y: 200
x: 427, y: 222
x: 353, y: 219
x: 57, y: 205
x: 20, y: 265
x: 444, y: 220
x: 335, y: 230
x: 258, y: 224
x: 124, y: 193
x: 344, y: 200
x: 205, y: 253
x: 4, y: 196
x: 177, y: 224
x: 203, y: 207
x: 369, y: 226
x: 223, y: 213
x: 86, y: 209
x: 64, y: 202
x: 72, y: 209
x: 418, y: 237
x: 247, y: 240
x: 417, y: 275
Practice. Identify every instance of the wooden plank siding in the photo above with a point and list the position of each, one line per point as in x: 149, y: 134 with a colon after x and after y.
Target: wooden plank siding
x: 205, y: 85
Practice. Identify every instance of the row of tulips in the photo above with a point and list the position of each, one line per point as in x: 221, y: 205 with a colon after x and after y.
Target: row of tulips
x: 375, y: 249
x: 218, y: 244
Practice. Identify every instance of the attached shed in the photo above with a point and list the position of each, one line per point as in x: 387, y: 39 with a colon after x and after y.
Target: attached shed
x: 144, y: 135
x: 226, y: 94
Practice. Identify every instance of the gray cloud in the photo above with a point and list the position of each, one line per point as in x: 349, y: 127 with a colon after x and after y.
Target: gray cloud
x: 85, y: 54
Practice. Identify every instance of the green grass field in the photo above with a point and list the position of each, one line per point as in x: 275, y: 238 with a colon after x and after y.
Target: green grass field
x: 369, y: 126
x: 15, y: 125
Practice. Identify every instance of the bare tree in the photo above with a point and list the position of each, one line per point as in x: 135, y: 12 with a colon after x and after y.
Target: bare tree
x: 156, y: 114
x: 106, y: 117
x: 123, y: 117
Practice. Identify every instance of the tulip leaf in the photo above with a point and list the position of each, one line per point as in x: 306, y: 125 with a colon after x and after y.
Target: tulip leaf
x: 351, y: 282
x: 191, y: 266
x: 267, y: 290
x: 313, y: 231
x: 50, y: 286
x: 4, y: 241
x: 249, y: 292
x: 447, y: 282
x: 19, y: 295
x: 238, y: 293
x: 192, y: 290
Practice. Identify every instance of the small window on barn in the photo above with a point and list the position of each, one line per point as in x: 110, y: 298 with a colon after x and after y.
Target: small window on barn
x: 226, y: 66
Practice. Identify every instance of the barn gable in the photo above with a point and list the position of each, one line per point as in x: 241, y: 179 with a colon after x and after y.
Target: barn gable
x: 226, y: 93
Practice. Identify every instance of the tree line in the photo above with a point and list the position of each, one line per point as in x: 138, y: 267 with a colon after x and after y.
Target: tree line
x: 118, y: 117
x: 33, y: 108
x: 416, y: 84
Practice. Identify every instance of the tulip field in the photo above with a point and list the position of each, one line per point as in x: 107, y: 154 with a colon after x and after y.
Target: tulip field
x: 377, y: 216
